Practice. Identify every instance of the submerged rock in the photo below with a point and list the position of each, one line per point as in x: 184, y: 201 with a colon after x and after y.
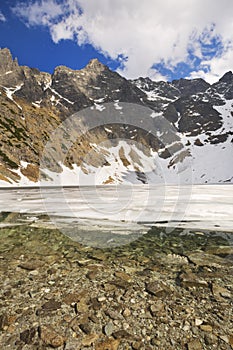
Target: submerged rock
x: 138, y: 299
x: 51, y: 337
x: 189, y: 279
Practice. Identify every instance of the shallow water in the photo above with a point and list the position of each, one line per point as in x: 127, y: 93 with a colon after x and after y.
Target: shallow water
x: 191, y: 267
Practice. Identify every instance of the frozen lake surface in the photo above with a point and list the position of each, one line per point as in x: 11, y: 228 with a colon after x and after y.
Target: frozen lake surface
x: 125, y: 209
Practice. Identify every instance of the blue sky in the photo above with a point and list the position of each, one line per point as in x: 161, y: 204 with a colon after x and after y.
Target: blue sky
x: 163, y: 40
x: 34, y: 47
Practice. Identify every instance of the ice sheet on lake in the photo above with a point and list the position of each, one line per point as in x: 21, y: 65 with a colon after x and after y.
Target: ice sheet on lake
x: 123, y: 208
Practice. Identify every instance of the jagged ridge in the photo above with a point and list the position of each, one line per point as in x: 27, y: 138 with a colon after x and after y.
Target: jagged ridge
x: 34, y: 103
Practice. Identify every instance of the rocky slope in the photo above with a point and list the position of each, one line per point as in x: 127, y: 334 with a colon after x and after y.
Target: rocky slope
x: 109, y: 129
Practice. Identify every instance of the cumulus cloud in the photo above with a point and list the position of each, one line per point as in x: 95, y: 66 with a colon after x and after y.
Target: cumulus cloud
x: 2, y: 17
x: 199, y: 33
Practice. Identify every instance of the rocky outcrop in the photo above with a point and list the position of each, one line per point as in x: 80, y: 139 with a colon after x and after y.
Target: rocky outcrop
x: 190, y: 87
x: 7, y: 65
x: 225, y: 86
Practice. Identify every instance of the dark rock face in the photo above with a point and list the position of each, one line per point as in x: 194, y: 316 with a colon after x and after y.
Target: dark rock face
x: 171, y: 113
x: 30, y: 90
x: 225, y: 86
x: 226, y: 78
x: 189, y: 104
x: 190, y: 87
x: 196, y: 117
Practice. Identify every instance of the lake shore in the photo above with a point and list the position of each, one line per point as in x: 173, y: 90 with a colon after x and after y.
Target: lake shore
x: 159, y: 292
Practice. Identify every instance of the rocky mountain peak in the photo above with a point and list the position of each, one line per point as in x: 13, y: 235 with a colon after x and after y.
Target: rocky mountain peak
x: 225, y: 86
x: 190, y: 86
x: 227, y: 78
x: 61, y: 69
x: 94, y: 62
x: 7, y: 64
x: 95, y: 65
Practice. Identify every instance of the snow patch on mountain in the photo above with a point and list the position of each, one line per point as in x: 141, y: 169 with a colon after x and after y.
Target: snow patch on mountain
x: 10, y: 92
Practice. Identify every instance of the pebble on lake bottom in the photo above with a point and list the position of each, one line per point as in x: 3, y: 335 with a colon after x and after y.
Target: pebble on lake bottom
x: 58, y: 294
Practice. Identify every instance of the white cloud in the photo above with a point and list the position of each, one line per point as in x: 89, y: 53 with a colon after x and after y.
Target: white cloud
x: 219, y: 65
x: 2, y: 17
x: 147, y: 33
x: 154, y: 74
x: 39, y: 12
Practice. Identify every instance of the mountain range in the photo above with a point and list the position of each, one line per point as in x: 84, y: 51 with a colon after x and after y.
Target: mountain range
x: 93, y: 126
